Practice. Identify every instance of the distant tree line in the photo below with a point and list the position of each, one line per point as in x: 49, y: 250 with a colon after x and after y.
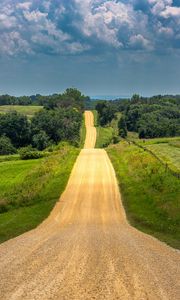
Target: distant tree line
x: 59, y: 120
x: 71, y: 97
x: 157, y: 116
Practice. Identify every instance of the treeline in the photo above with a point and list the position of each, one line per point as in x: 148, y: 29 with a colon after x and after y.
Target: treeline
x: 57, y: 121
x: 71, y: 97
x: 157, y: 116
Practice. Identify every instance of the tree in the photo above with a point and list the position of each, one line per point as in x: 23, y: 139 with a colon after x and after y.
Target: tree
x: 17, y: 127
x: 58, y: 124
x: 6, y: 146
x: 41, y: 140
x: 122, y: 127
x: 135, y: 98
x: 106, y: 112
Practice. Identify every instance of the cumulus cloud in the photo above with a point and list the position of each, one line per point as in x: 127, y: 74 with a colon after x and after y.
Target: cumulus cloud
x: 139, y: 42
x: 23, y: 5
x: 171, y: 12
x: 76, y: 26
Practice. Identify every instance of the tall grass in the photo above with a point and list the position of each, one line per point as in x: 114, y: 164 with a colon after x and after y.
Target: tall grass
x: 150, y: 193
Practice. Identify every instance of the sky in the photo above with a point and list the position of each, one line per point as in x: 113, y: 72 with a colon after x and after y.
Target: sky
x: 102, y: 47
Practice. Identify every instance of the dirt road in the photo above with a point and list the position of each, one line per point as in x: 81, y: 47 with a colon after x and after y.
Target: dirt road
x: 86, y: 250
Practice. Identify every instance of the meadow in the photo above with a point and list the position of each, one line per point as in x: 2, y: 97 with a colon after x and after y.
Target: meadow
x: 150, y: 192
x: 28, y: 110
x: 29, y: 189
x: 166, y: 149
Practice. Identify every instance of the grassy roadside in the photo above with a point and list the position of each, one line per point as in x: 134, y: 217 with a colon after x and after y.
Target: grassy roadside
x: 104, y: 134
x: 30, y: 189
x: 150, y: 194
x: 82, y: 133
x: 165, y: 149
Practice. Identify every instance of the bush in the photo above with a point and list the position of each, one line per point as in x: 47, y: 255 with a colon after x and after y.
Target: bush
x: 30, y: 153
x: 3, y: 206
x: 6, y: 146
x: 41, y: 140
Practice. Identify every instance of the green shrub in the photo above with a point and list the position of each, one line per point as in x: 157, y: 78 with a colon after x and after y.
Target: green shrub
x: 3, y: 206
x: 30, y: 153
x: 41, y: 140
x: 6, y: 146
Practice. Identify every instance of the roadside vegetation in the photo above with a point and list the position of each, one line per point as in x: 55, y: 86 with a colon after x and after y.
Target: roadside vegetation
x: 36, y: 157
x: 150, y: 193
x: 82, y: 133
x: 166, y: 149
x: 147, y: 161
x: 105, y: 134
x: 30, y: 188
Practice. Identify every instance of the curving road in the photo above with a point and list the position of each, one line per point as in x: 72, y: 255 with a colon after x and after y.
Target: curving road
x: 86, y: 249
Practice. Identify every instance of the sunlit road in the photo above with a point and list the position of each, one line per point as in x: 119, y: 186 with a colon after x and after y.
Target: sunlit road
x: 86, y: 249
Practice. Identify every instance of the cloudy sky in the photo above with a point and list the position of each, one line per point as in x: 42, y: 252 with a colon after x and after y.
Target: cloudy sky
x: 103, y: 47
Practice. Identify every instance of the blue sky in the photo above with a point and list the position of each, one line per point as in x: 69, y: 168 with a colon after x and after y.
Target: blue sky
x: 104, y: 47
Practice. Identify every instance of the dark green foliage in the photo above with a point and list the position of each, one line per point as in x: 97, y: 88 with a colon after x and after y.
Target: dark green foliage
x: 122, y: 127
x: 11, y: 100
x: 60, y: 120
x: 106, y: 112
x: 157, y: 116
x: 16, y: 127
x: 30, y: 153
x: 6, y: 146
x: 58, y: 124
x: 41, y: 140
x: 70, y: 98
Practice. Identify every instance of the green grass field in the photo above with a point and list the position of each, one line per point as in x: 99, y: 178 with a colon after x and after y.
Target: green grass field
x: 150, y: 193
x: 29, y: 189
x: 28, y: 110
x: 167, y: 149
x: 104, y: 136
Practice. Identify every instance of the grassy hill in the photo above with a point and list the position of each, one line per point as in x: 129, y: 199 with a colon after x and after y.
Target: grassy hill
x: 28, y: 110
x: 166, y: 149
x: 30, y: 188
x: 150, y: 192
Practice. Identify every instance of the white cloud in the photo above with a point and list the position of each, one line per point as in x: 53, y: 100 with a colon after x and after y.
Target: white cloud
x: 80, y: 25
x: 12, y: 43
x: 108, y: 21
x: 159, y: 5
x: 171, y: 12
x: 24, y: 5
x: 7, y: 22
x: 34, y: 16
x: 139, y: 42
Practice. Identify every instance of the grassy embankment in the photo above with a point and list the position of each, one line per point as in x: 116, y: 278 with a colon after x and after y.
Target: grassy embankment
x: 29, y: 189
x: 150, y: 193
x: 82, y: 133
x: 167, y: 149
x: 27, y: 110
x: 105, y: 135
